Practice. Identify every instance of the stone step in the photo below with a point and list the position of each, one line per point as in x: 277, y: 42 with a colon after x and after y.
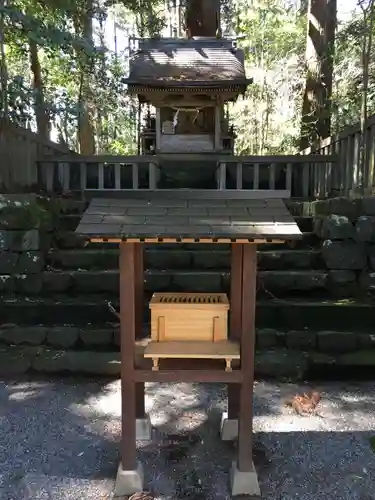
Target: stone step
x: 65, y: 240
x: 179, y: 258
x: 69, y: 222
x: 292, y: 314
x: 76, y: 282
x: 107, y: 338
x: 280, y: 362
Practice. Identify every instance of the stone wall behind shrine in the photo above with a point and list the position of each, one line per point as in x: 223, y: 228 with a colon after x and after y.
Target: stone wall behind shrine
x: 315, y: 300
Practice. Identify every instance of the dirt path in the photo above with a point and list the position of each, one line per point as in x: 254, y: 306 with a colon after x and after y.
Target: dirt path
x: 59, y: 440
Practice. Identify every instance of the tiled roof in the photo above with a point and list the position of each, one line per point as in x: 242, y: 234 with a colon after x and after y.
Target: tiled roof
x: 188, y: 214
x: 184, y: 62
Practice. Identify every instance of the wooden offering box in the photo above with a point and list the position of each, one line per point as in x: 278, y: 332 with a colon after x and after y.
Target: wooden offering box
x: 190, y: 325
x: 189, y: 317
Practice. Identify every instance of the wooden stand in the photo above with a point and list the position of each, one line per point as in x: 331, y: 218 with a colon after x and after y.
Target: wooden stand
x: 214, y: 347
x: 243, y: 292
x: 193, y: 350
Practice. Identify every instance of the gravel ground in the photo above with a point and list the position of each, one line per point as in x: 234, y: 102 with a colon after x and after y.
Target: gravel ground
x: 59, y: 440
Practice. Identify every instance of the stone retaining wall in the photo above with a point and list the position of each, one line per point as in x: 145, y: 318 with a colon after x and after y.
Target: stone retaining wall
x: 347, y: 232
x: 96, y: 351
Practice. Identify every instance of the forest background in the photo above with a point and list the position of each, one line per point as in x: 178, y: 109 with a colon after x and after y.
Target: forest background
x: 62, y: 64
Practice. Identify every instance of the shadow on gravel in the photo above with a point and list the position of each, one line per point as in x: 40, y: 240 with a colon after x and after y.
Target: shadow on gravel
x: 59, y: 440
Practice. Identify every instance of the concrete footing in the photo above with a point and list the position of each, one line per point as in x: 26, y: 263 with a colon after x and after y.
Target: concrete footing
x: 228, y: 428
x: 143, y: 429
x: 244, y: 483
x: 128, y: 481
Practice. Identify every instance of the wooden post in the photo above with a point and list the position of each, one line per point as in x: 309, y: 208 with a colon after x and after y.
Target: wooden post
x: 139, y: 291
x: 245, y: 421
x: 235, y: 320
x: 128, y: 317
x: 158, y: 130
x: 217, y: 136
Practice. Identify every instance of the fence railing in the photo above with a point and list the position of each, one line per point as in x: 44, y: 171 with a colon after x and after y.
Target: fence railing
x: 304, y: 177
x: 350, y: 174
x: 20, y: 149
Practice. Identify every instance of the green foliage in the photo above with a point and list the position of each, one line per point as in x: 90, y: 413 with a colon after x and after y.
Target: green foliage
x: 273, y: 34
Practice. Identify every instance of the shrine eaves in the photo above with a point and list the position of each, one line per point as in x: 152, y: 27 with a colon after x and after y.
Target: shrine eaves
x: 185, y: 214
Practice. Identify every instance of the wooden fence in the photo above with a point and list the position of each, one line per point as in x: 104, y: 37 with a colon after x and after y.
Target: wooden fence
x: 303, y: 177
x: 349, y: 177
x: 20, y: 149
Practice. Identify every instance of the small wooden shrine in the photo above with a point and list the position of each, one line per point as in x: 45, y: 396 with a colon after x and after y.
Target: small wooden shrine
x: 241, y: 218
x: 187, y: 81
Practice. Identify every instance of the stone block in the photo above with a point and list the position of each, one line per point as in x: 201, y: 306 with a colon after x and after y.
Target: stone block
x: 88, y: 362
x: 96, y: 281
x: 366, y: 340
x: 95, y: 363
x: 157, y: 281
x: 341, y: 277
x: 128, y: 482
x: 344, y: 255
x: 194, y: 282
x: 367, y: 281
x: 292, y: 280
x: 358, y: 358
x: 336, y: 227
x: 371, y: 256
x: 336, y: 342
x: 365, y: 229
x: 228, y: 427
x: 16, y: 360
x: 103, y: 336
x: 368, y: 205
x: 218, y: 259
x: 22, y: 211
x: 69, y: 240
x: 159, y: 258
x: 8, y: 262
x: 85, y: 259
x: 57, y: 282
x: 7, y: 283
x: 62, y: 336
x: 267, y: 338
x: 244, y: 483
x: 339, y: 206
x: 30, y: 262
x: 51, y: 361
x: 143, y: 429
x: 301, y: 340
x: 281, y: 363
x: 32, y: 335
x: 28, y: 284
x: 20, y: 241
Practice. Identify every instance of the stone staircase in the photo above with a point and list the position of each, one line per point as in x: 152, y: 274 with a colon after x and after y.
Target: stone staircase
x: 56, y: 318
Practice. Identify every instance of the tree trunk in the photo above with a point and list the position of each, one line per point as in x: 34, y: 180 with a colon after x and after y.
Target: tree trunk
x: 3, y: 71
x: 86, y: 129
x: 203, y: 17
x: 41, y: 115
x: 368, y: 22
x: 316, y: 111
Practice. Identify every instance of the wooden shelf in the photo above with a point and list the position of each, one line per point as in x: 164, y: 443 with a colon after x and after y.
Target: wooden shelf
x: 205, y: 376
x: 224, y: 349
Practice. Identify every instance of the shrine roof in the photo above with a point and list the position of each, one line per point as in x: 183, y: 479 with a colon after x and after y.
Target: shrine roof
x: 187, y: 62
x: 185, y: 214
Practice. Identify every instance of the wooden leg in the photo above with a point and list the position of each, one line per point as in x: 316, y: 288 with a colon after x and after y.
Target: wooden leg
x: 228, y: 366
x: 245, y: 421
x: 139, y: 285
x: 235, y: 320
x: 128, y: 331
x: 155, y: 364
